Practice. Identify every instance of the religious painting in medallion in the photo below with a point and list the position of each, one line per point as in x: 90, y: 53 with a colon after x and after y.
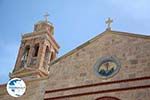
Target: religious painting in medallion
x: 107, y: 67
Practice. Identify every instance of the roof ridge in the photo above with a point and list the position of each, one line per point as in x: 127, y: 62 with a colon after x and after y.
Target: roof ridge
x: 94, y: 38
x: 130, y: 34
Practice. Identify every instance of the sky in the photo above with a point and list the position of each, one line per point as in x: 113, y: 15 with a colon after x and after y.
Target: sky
x: 75, y: 22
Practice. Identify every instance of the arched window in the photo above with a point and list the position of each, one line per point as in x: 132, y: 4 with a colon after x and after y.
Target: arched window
x: 25, y: 56
x: 107, y: 98
x: 36, y: 50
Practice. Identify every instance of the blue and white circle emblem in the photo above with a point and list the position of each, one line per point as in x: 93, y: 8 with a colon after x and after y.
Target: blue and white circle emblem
x: 16, y: 87
x: 107, y: 66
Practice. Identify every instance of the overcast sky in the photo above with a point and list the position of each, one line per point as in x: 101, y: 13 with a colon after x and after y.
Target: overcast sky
x: 75, y: 21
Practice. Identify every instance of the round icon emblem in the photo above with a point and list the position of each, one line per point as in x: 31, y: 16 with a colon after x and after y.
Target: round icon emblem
x: 16, y: 87
x: 107, y: 67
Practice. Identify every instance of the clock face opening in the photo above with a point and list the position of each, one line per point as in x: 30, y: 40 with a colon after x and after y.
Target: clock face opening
x: 107, y: 67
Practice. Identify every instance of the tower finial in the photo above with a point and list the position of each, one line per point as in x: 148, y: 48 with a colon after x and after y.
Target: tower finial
x: 46, y: 16
x: 109, y: 21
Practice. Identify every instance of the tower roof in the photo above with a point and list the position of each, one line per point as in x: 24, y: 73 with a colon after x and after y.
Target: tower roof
x: 44, y: 22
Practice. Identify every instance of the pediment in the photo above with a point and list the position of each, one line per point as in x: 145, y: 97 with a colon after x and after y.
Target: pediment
x: 113, y: 55
x: 100, y: 36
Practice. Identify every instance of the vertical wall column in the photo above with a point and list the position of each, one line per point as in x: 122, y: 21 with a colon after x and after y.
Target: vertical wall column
x: 20, y: 53
x: 41, y: 54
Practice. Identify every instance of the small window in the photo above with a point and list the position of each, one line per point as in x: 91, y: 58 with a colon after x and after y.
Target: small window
x: 27, y: 50
x: 36, y: 49
x: 25, y: 56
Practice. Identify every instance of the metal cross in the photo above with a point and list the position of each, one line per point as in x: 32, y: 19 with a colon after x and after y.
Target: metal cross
x: 108, y: 22
x: 46, y: 17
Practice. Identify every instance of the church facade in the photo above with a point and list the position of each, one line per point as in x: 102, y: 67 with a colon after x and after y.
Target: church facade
x: 112, y: 66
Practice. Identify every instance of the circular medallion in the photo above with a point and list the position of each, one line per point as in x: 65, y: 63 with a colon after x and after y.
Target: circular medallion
x: 16, y: 87
x: 107, y: 67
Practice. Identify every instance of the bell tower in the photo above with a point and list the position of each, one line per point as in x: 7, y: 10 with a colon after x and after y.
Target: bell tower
x: 36, y: 51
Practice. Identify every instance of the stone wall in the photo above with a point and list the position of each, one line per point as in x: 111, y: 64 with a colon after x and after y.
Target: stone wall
x: 76, y: 67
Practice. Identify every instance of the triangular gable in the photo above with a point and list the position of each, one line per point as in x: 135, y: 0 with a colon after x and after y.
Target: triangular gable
x: 99, y: 36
